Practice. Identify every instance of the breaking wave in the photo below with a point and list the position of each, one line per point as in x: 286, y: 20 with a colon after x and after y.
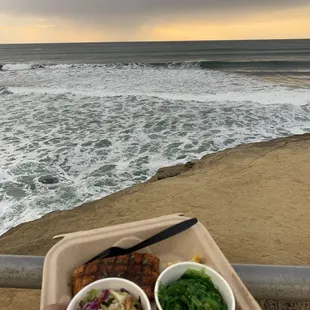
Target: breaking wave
x: 204, y: 64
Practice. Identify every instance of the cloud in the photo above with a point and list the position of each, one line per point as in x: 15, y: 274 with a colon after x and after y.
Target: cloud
x: 134, y: 20
x: 41, y: 26
x: 133, y: 13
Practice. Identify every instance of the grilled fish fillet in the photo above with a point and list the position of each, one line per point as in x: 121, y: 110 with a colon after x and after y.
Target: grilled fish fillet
x: 142, y: 269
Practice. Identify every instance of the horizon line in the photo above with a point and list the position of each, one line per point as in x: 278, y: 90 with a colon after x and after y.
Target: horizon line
x: 156, y: 41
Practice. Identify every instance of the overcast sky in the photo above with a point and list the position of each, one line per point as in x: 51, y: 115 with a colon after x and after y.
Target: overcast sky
x: 123, y: 20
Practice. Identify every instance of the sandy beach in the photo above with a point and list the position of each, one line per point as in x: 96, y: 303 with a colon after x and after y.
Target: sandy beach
x: 254, y: 200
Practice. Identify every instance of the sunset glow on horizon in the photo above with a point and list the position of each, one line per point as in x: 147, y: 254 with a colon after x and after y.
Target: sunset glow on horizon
x: 287, y: 23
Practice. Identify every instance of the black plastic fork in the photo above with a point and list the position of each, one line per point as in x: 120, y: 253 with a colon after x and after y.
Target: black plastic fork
x: 163, y: 235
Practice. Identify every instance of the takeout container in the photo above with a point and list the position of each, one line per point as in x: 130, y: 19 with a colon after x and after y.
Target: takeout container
x: 77, y: 248
x: 174, y: 272
x: 114, y: 284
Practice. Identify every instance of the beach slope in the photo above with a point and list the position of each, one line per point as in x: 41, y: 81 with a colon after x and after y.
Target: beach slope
x: 254, y: 199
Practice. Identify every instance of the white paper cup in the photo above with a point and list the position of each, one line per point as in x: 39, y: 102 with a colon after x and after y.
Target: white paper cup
x: 174, y: 272
x: 114, y: 284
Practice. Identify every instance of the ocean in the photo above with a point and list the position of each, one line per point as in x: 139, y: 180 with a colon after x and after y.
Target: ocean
x: 99, y: 117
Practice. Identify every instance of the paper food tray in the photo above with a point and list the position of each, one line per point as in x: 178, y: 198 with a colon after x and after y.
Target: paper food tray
x: 76, y: 248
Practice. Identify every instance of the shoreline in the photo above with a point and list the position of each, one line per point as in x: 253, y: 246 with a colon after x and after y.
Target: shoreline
x: 227, y: 167
x: 253, y: 199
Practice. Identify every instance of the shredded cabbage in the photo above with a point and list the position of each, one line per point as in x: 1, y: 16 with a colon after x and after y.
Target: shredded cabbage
x: 109, y: 300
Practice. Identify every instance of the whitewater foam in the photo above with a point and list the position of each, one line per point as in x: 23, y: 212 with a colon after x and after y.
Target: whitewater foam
x: 282, y: 96
x: 99, y: 130
x: 17, y: 67
x: 202, y: 64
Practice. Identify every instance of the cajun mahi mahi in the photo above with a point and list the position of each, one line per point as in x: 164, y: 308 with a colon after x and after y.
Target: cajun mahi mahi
x: 142, y: 269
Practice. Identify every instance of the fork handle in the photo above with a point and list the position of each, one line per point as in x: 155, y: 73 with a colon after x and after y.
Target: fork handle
x: 163, y: 235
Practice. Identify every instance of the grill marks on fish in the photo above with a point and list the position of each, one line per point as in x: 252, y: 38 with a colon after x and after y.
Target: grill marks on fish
x: 142, y: 269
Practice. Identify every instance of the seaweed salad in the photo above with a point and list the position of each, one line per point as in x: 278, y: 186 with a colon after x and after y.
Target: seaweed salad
x: 193, y: 291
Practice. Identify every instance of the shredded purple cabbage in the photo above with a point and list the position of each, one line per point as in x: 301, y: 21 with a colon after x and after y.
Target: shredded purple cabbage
x: 92, y: 305
x: 104, y: 295
x: 123, y: 290
x: 96, y: 300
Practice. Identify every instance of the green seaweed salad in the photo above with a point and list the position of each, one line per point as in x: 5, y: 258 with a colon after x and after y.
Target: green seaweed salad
x: 193, y: 291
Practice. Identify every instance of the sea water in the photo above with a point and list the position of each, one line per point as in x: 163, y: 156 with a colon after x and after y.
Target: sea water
x: 101, y: 117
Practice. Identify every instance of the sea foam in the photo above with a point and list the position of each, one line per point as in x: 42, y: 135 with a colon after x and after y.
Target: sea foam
x: 101, y: 128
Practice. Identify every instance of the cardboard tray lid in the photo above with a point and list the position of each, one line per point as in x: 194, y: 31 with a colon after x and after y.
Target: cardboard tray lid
x: 76, y: 248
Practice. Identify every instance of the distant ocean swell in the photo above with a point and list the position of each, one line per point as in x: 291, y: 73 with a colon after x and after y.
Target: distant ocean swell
x: 273, y: 64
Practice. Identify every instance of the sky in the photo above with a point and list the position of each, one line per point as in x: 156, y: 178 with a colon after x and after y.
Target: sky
x: 36, y: 21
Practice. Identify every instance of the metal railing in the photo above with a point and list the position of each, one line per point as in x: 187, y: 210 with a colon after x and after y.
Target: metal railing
x: 263, y: 281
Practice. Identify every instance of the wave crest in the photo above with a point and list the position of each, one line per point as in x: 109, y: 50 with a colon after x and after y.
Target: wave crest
x: 204, y: 64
